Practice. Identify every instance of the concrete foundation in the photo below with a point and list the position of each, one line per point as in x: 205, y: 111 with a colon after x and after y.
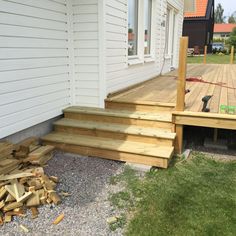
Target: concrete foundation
x: 34, y: 131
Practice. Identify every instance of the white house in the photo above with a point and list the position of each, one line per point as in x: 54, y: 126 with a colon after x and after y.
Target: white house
x: 57, y: 53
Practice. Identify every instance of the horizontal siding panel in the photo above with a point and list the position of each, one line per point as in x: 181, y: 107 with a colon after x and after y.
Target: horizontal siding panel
x: 88, y: 92
x: 20, y: 9
x: 31, y: 63
x: 16, y: 42
x: 34, y: 92
x: 85, y: 9
x: 84, y: 2
x: 116, y: 36
x: 25, y: 114
x: 26, y: 21
x: 86, y: 44
x: 86, y: 18
x: 117, y: 5
x: 86, y: 68
x: 87, y: 35
x: 42, y: 4
x: 115, y: 12
x: 31, y: 83
x: 92, y: 100
x: 87, y: 61
x: 85, y: 27
x: 88, y: 52
x: 33, y: 102
x: 8, y: 53
x: 8, y: 76
x: 31, y: 121
x: 87, y: 84
x: 19, y: 31
x: 34, y: 68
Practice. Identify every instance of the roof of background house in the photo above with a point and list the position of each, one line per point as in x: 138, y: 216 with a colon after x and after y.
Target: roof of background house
x: 224, y: 28
x: 201, y: 9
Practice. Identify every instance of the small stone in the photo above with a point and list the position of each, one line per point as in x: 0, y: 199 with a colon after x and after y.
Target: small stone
x: 112, y: 220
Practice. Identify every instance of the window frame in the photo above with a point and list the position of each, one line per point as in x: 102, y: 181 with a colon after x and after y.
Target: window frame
x: 142, y: 58
x: 172, y: 31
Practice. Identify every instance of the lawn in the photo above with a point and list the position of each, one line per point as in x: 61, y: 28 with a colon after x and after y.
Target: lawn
x: 195, y: 197
x: 211, y: 59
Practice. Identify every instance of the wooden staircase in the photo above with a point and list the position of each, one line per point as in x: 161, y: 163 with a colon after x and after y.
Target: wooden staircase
x: 141, y: 134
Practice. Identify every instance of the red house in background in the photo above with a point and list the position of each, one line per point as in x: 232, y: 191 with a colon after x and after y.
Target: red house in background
x: 199, y: 25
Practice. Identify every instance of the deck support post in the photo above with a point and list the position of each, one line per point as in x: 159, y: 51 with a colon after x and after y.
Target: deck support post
x: 232, y: 55
x: 181, y: 84
x: 179, y: 139
x: 215, y: 135
x: 205, y: 55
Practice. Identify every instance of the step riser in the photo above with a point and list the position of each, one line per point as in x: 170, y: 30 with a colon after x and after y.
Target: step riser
x: 118, y: 120
x: 136, y: 107
x: 108, y: 154
x: 115, y: 135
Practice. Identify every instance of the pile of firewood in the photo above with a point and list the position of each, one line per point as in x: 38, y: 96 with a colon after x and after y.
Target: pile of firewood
x: 23, y: 183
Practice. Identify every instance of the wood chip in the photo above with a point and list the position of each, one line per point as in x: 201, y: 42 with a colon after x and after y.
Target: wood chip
x: 55, y: 197
x: 2, y: 204
x: 12, y: 206
x: 58, y: 219
x: 7, y: 218
x: 26, y: 230
x: 35, y: 212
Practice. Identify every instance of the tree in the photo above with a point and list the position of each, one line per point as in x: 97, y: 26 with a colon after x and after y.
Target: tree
x: 232, y: 38
x: 232, y: 19
x: 219, y: 14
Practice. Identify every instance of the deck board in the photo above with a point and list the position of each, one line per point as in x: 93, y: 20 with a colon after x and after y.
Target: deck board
x: 163, y: 88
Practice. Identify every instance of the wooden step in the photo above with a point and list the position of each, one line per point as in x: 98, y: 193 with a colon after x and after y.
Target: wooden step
x: 148, y: 154
x: 116, y: 131
x: 145, y: 119
x: 138, y: 105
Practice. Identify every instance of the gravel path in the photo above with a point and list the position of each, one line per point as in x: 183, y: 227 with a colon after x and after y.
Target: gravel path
x: 86, y: 210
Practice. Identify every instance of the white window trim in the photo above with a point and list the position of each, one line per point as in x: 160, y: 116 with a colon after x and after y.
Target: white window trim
x: 172, y: 30
x: 142, y: 58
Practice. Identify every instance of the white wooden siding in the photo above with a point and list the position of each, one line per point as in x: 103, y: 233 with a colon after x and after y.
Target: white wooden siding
x: 34, y: 74
x: 86, y: 51
x: 118, y: 74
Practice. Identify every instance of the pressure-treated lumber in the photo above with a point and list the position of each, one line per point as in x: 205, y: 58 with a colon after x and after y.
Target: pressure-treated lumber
x: 147, y: 106
x: 181, y: 82
x: 148, y: 154
x: 158, y: 120
x: 205, y: 55
x: 179, y: 139
x: 116, y: 131
x: 201, y: 119
x: 232, y: 55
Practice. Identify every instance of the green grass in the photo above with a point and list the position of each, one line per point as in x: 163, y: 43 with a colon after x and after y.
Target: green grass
x: 211, y: 59
x: 195, y: 197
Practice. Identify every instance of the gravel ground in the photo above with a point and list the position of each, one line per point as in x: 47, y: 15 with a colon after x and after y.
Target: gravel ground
x: 86, y: 210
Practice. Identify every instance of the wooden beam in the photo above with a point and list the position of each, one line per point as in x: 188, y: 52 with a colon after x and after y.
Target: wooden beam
x: 179, y: 139
x: 205, y: 55
x: 232, y: 55
x: 181, y: 82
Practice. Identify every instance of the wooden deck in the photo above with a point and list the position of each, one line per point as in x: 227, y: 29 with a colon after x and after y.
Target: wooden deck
x: 141, y: 124
x: 220, y: 82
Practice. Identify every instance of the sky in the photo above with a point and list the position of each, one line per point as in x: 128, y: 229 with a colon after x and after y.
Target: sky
x: 228, y: 5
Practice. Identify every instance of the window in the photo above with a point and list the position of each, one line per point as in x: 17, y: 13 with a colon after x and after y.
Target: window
x: 171, y: 18
x: 133, y: 28
x: 140, y: 31
x: 147, y: 26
